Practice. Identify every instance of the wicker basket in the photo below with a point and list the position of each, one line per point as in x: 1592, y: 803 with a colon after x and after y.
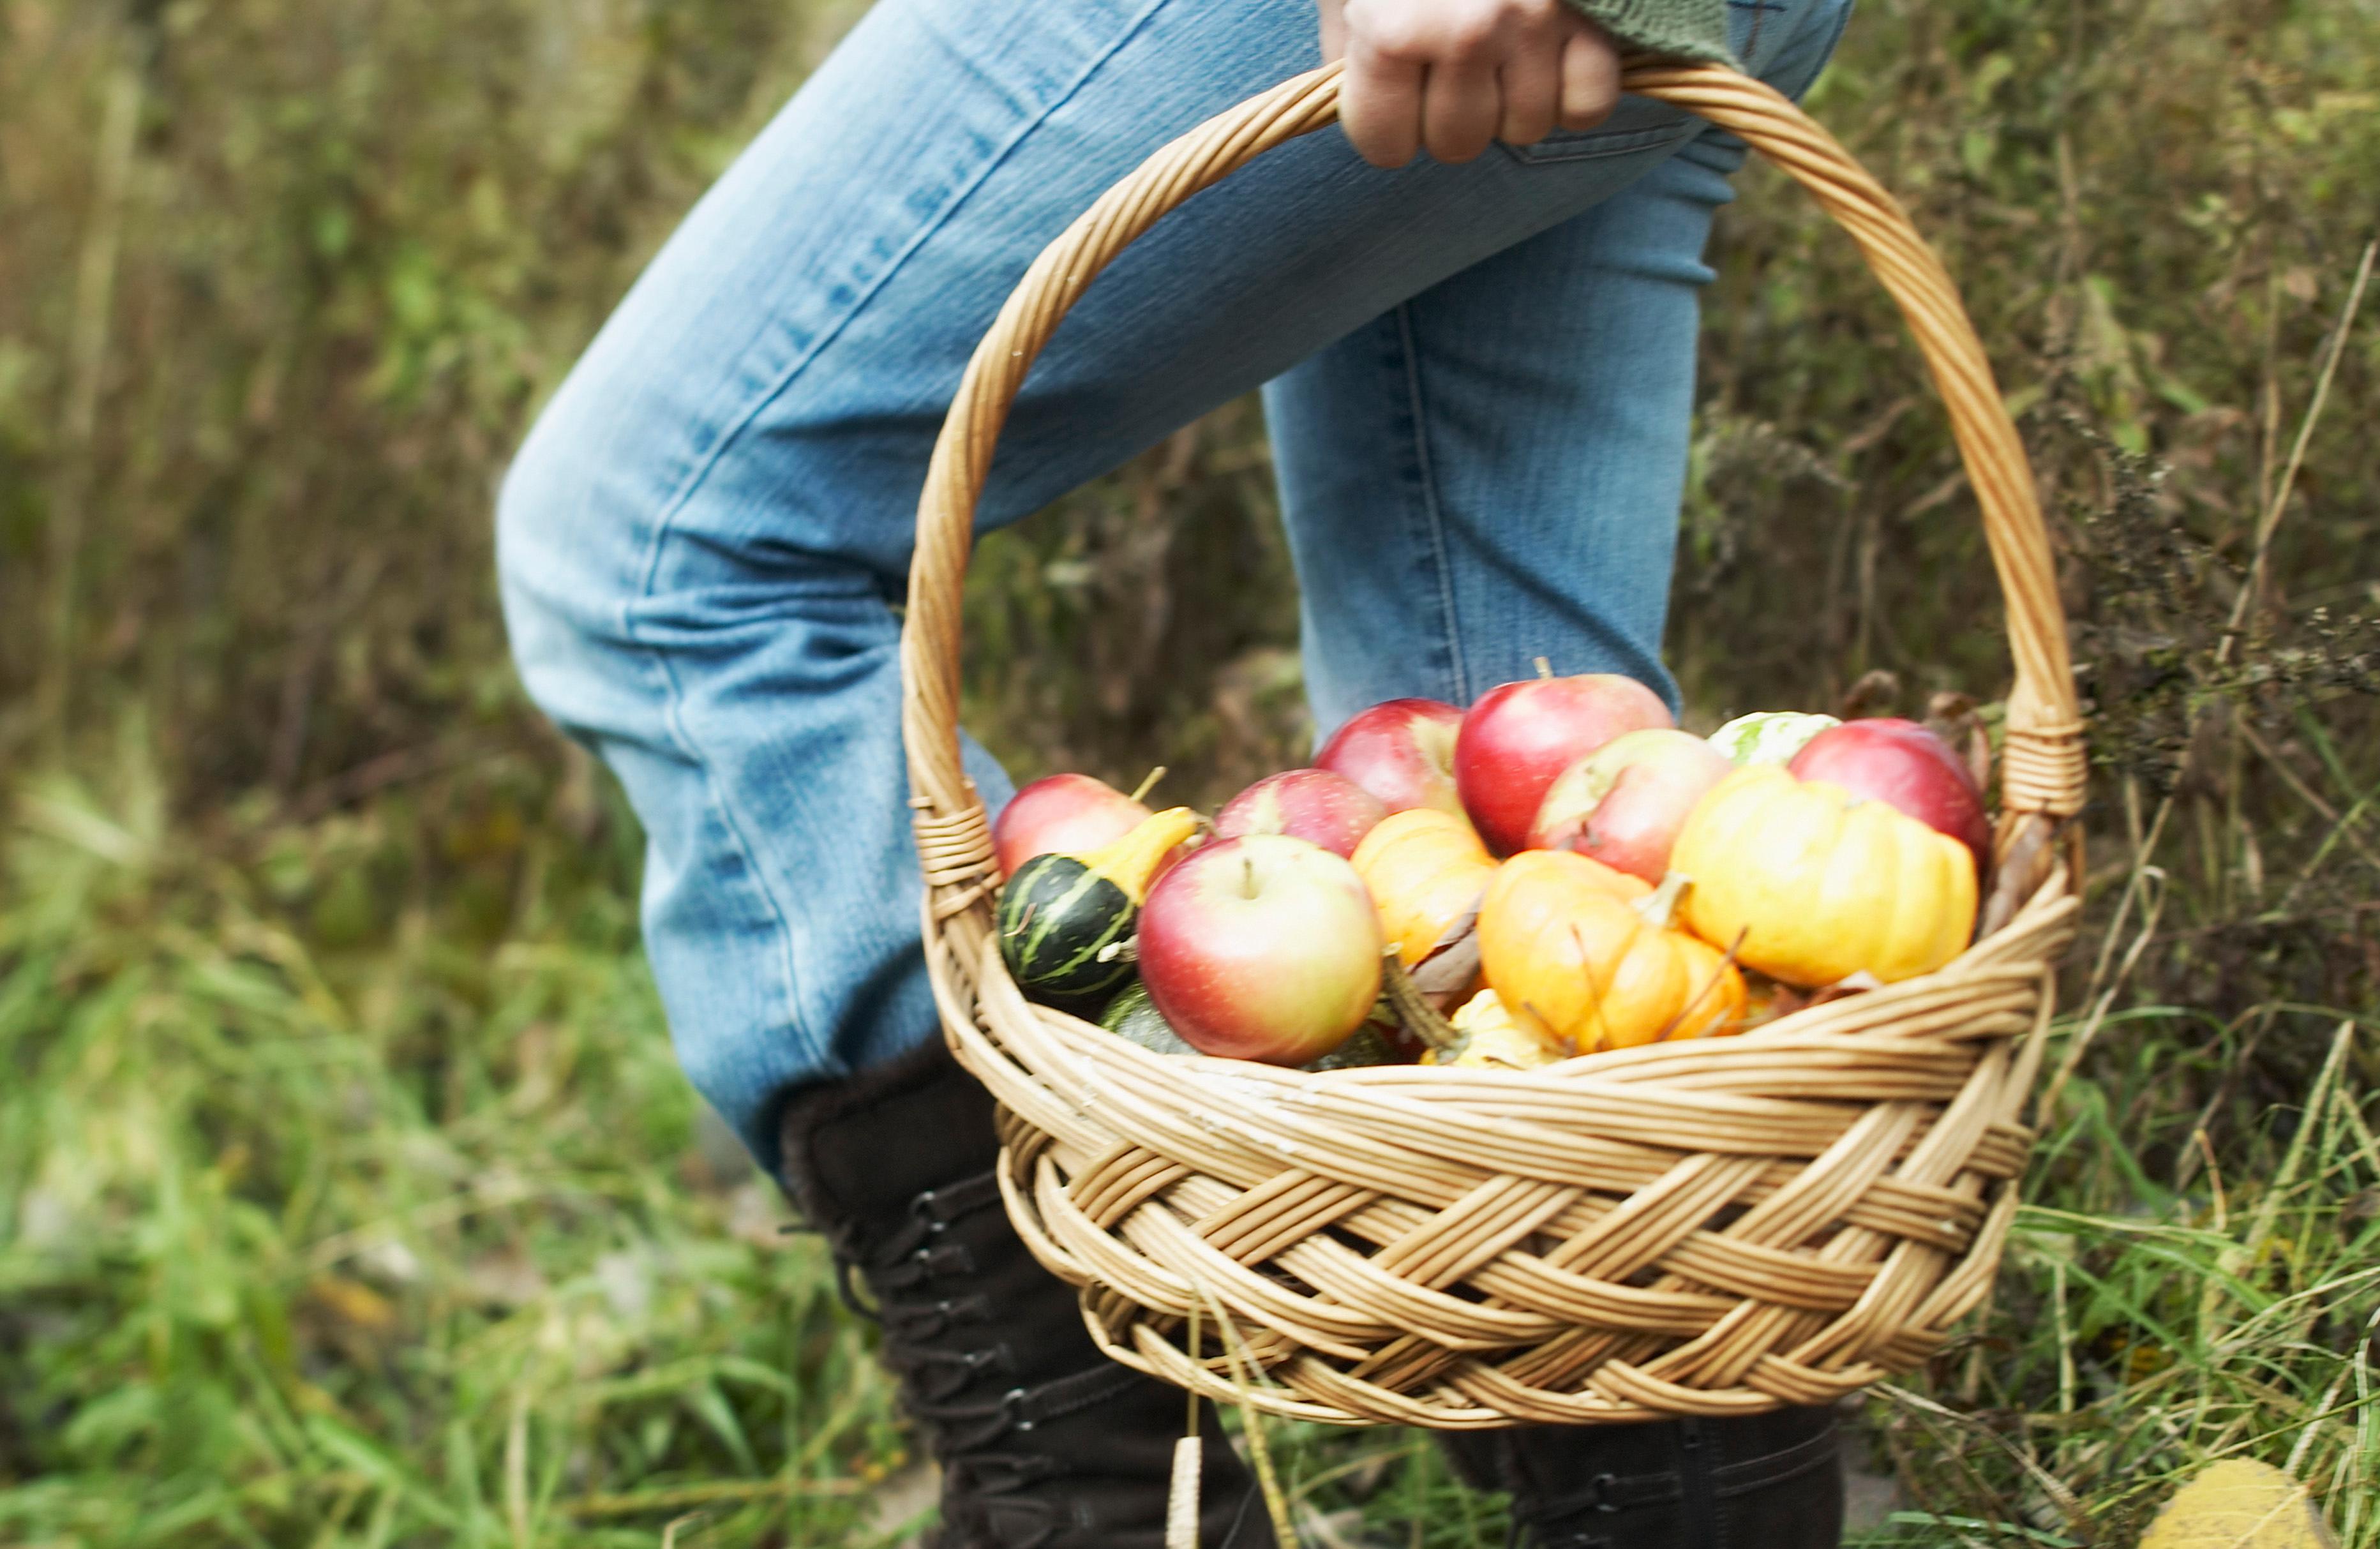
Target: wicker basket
x: 1707, y: 1228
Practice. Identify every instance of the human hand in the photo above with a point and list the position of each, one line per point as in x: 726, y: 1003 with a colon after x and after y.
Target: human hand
x: 1449, y: 76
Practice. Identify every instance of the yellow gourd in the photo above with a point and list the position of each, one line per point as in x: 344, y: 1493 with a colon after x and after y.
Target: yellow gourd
x: 1424, y: 870
x: 1810, y: 884
x: 1492, y: 1039
x: 1585, y: 969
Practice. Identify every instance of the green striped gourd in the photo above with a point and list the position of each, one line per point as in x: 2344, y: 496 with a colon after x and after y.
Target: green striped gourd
x: 1063, y: 919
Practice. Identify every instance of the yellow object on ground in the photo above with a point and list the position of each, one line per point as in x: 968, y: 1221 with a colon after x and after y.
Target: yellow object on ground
x: 2238, y: 1504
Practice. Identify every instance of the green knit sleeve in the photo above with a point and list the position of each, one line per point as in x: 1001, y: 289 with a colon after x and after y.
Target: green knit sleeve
x: 1683, y: 28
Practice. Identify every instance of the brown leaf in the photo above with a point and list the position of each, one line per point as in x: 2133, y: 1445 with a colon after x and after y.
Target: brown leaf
x: 1447, y: 973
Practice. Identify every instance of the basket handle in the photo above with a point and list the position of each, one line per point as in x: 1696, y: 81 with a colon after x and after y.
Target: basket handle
x: 2042, y: 769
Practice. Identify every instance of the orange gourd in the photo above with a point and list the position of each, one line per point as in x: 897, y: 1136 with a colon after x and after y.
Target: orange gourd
x: 1424, y: 870
x: 1810, y: 884
x: 1587, y: 968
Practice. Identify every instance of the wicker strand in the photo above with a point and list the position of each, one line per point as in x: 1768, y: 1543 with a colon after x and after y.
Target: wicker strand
x: 2043, y: 769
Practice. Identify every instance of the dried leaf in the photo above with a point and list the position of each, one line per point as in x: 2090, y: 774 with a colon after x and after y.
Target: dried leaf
x: 2239, y: 1504
x: 1451, y: 966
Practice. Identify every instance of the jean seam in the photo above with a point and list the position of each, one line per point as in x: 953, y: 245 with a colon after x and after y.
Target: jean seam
x: 1433, y: 516
x: 674, y: 696
x: 731, y: 819
x: 1559, y: 150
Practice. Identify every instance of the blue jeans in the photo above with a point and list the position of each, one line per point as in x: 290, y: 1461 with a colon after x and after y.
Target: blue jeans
x: 1478, y: 381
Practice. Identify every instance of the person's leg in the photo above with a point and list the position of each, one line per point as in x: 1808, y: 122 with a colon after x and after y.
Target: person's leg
x: 702, y: 540
x: 1490, y: 472
x: 1752, y: 1482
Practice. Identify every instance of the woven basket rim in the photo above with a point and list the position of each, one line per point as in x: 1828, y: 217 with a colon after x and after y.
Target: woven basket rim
x: 2052, y: 901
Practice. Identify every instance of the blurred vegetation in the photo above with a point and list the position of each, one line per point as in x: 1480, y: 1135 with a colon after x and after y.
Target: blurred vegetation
x: 347, y: 1191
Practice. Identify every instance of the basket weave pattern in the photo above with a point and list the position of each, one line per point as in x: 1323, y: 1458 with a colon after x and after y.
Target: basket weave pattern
x: 1707, y: 1228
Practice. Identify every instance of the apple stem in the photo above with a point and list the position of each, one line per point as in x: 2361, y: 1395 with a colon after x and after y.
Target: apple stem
x: 1148, y: 782
x: 1545, y: 669
x: 1247, y: 876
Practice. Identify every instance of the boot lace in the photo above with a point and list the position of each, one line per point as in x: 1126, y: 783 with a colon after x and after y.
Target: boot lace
x: 926, y: 1345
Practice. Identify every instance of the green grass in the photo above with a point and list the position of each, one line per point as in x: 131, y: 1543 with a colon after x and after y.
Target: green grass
x: 408, y: 1240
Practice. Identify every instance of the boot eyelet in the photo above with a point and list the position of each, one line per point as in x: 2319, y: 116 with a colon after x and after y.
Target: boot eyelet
x: 1603, y: 1484
x: 1012, y: 1408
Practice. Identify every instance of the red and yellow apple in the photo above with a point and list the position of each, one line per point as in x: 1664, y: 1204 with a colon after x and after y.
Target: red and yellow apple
x: 1313, y: 804
x: 1071, y: 814
x: 1904, y: 766
x: 1401, y: 751
x: 1519, y: 738
x: 1624, y: 803
x: 1261, y: 948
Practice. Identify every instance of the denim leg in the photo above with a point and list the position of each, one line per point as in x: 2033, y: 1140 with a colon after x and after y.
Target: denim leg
x: 1490, y: 472
x: 701, y: 544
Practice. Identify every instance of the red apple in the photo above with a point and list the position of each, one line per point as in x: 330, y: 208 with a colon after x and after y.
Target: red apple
x: 1070, y: 812
x: 1519, y: 738
x: 1401, y: 752
x: 1903, y: 765
x: 1261, y: 948
x: 1624, y: 803
x: 1313, y: 804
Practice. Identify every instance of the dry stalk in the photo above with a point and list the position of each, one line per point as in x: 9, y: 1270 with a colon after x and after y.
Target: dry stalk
x: 94, y: 318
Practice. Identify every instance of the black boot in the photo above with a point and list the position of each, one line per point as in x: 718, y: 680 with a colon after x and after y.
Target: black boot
x: 1761, y: 1481
x: 1044, y: 1443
